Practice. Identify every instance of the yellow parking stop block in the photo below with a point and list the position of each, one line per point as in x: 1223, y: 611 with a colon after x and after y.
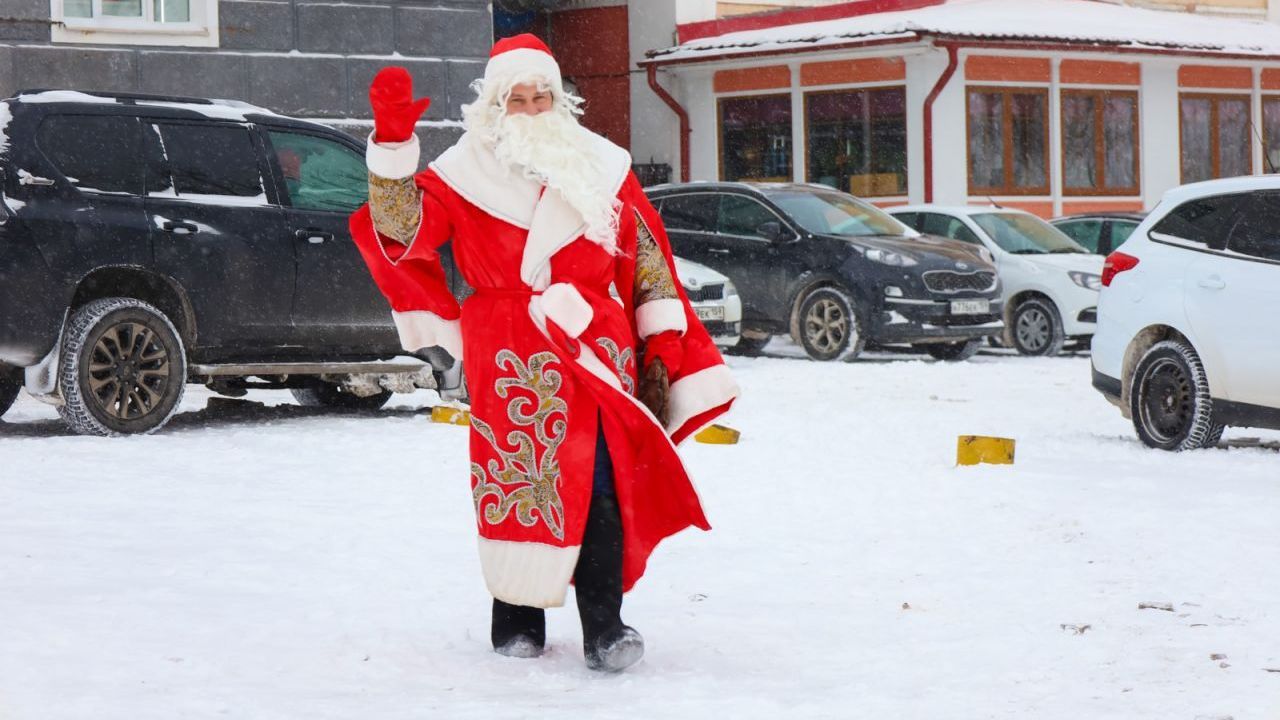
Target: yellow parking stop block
x: 450, y: 415
x: 718, y: 435
x: 974, y: 449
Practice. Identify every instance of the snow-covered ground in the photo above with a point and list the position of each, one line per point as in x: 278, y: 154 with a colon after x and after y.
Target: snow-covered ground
x: 277, y: 563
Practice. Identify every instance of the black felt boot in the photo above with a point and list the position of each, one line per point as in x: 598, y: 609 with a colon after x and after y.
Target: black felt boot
x: 608, y: 645
x: 518, y: 630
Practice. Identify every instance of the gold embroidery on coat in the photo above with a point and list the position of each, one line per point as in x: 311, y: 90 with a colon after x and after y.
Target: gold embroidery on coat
x: 621, y: 359
x: 537, y: 480
x: 653, y: 277
x: 396, y: 207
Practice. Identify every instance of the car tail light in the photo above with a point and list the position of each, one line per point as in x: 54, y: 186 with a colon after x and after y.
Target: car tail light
x: 1116, y: 263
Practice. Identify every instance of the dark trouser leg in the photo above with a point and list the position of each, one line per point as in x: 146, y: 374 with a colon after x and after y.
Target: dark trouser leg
x: 607, y: 643
x: 512, y: 622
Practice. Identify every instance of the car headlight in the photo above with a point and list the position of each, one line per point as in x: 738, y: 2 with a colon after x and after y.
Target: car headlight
x: 1089, y: 281
x: 889, y: 257
x: 730, y: 289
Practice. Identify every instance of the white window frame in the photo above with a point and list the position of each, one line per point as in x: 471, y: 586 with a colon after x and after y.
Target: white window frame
x: 201, y: 31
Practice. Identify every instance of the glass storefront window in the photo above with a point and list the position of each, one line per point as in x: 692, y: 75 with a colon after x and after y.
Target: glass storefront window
x: 1271, y: 133
x: 1099, y: 142
x: 755, y: 138
x: 1215, y: 136
x: 857, y: 140
x: 1008, y: 141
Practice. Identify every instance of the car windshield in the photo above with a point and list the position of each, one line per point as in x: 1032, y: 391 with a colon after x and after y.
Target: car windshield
x: 1025, y: 234
x: 833, y: 213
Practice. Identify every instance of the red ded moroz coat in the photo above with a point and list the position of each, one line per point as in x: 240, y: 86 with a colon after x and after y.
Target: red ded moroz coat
x: 546, y: 351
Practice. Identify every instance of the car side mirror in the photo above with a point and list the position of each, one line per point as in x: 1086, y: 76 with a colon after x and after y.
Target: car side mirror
x: 771, y: 231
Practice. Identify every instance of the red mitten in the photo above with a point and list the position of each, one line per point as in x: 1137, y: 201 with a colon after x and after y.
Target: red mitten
x: 395, y: 112
x: 666, y: 346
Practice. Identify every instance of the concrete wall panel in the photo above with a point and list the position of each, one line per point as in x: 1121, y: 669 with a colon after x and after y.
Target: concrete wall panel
x: 255, y: 25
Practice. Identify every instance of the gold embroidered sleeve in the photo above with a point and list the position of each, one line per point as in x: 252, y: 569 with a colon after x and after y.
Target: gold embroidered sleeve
x: 653, y: 277
x: 396, y: 207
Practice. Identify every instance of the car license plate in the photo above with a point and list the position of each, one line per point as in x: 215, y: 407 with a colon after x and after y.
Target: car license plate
x: 970, y: 307
x: 710, y: 312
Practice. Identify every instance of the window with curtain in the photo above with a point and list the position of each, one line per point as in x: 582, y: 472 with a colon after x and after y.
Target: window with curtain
x: 755, y: 138
x: 1008, y: 141
x: 1100, y: 142
x: 1271, y: 134
x: 1215, y: 136
x: 857, y: 140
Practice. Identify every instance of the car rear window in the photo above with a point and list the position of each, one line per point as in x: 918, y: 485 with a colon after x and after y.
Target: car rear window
x: 96, y: 153
x: 212, y: 160
x: 1204, y: 221
x: 1257, y: 233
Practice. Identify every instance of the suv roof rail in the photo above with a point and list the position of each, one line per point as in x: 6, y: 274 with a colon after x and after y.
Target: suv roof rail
x: 130, y: 98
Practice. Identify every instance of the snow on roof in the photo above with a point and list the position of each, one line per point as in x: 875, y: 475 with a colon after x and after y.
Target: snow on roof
x: 219, y: 109
x: 1067, y: 21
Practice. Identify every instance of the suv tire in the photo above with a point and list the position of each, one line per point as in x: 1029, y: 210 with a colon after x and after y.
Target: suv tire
x: 1035, y: 328
x: 751, y: 346
x: 10, y: 386
x: 953, y: 351
x: 830, y: 327
x: 323, y: 394
x: 1169, y: 399
x: 123, y: 368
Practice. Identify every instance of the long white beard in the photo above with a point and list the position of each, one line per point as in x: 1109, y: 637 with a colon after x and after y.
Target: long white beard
x: 553, y: 149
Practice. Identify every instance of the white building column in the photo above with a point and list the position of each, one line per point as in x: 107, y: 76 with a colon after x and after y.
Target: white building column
x: 799, y: 156
x: 1160, y: 121
x: 655, y: 129
x: 923, y: 71
x: 1055, y: 136
x: 1256, y: 140
x: 699, y: 99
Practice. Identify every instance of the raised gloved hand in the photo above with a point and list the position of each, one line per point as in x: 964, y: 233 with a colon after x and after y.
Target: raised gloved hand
x: 395, y: 112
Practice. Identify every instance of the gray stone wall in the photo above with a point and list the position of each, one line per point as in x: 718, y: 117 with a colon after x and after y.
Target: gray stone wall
x: 305, y: 58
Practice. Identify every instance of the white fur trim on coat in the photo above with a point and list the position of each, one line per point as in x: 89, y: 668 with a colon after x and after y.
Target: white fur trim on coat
x: 695, y: 394
x: 527, y: 573
x: 563, y: 303
x: 392, y: 160
x: 422, y: 329
x: 658, y: 316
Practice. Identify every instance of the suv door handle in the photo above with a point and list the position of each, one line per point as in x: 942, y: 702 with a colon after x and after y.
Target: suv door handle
x: 1213, y: 282
x: 178, y: 227
x: 312, y: 235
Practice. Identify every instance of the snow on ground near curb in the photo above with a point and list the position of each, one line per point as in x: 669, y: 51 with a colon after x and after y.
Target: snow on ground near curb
x: 287, y: 564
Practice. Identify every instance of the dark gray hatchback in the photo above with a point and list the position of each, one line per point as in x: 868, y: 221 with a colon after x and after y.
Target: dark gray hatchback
x: 833, y: 271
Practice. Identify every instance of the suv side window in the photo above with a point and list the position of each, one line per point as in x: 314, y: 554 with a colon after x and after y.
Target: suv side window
x: 1204, y: 221
x: 94, y: 152
x: 695, y: 212
x: 948, y: 227
x: 910, y: 219
x: 219, y: 160
x: 320, y: 174
x: 1256, y: 234
x: 743, y: 216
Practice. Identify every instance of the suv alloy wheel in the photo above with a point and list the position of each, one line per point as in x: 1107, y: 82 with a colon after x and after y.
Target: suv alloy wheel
x: 123, y: 369
x: 1036, y: 328
x: 830, y: 327
x: 1170, y: 401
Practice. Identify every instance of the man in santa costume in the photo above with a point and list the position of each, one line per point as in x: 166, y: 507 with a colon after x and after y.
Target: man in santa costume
x: 577, y: 397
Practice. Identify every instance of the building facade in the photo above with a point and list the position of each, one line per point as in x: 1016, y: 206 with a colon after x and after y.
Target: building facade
x: 1054, y: 106
x: 306, y: 58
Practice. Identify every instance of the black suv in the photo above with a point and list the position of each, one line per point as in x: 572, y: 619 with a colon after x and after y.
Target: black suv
x: 833, y: 271
x: 150, y: 241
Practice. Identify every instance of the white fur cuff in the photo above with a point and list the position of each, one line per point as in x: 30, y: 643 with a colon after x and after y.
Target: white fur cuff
x: 392, y: 160
x: 422, y: 329
x: 658, y: 316
x: 527, y: 573
x: 695, y: 394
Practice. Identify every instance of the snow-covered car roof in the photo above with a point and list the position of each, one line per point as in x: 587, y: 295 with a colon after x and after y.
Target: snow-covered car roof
x: 1070, y: 21
x: 954, y: 209
x: 1221, y: 187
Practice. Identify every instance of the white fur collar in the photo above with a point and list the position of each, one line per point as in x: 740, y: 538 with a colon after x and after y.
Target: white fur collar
x: 472, y: 170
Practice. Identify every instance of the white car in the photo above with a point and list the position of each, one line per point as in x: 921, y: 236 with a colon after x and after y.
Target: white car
x: 714, y: 298
x: 1187, y: 340
x: 1050, y: 282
